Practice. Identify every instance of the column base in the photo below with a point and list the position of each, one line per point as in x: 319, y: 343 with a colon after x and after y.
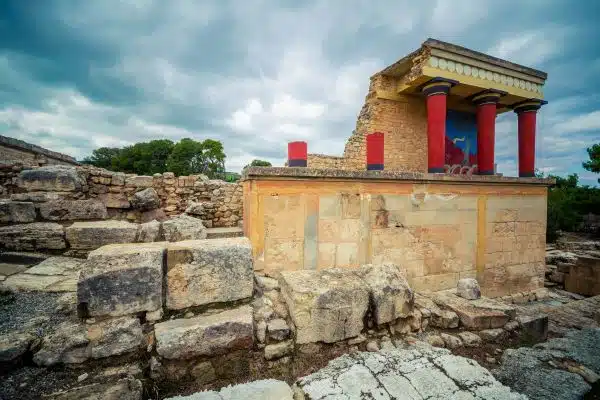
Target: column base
x: 485, y: 173
x: 526, y: 174
x: 439, y: 170
x: 374, y: 167
x: 297, y: 163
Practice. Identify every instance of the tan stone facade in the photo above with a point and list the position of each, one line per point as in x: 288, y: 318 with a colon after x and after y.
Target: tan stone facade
x: 438, y: 232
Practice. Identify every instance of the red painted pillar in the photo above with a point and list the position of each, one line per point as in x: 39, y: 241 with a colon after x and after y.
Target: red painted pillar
x: 486, y: 130
x: 436, y: 93
x: 375, y: 151
x: 297, y: 154
x: 527, y: 113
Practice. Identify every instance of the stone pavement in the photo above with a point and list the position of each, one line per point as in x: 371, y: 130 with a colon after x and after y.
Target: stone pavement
x: 408, y: 372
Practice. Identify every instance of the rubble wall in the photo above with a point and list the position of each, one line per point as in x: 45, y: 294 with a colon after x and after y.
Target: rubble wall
x: 439, y: 232
x: 216, y: 203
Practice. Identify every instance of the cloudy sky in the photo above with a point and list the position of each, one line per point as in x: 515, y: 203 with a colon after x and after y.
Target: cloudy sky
x: 80, y: 74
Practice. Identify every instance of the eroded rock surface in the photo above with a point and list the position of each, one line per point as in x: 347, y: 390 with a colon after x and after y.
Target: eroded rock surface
x: 94, y: 234
x: 269, y: 389
x: 183, y: 227
x: 16, y: 212
x: 32, y: 237
x: 327, y: 305
x: 54, y: 178
x: 415, y: 372
x: 71, y: 210
x: 146, y: 199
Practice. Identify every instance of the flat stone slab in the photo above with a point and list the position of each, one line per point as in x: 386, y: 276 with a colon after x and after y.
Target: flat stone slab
x: 268, y: 389
x: 94, y: 234
x: 557, y: 369
x: 72, y: 210
x: 55, y: 274
x: 8, y: 269
x: 205, y: 335
x: 414, y: 372
x: 53, y: 178
x: 483, y: 313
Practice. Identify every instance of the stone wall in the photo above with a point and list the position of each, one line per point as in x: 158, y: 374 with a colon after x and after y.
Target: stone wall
x: 402, y: 120
x: 439, y: 232
x: 14, y: 151
x: 216, y: 203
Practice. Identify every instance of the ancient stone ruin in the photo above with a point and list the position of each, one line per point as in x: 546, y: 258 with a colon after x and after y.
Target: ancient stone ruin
x: 377, y: 276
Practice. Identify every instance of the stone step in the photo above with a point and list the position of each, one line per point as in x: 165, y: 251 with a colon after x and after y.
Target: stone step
x: 218, y: 233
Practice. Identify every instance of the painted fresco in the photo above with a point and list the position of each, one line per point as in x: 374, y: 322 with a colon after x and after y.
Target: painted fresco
x: 461, y: 142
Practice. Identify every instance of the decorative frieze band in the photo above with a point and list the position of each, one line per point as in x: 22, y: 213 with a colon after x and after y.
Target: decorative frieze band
x: 481, y: 73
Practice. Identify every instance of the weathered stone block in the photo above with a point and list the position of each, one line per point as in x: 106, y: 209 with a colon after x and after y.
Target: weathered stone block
x: 149, y: 232
x: 327, y: 305
x: 390, y: 293
x: 183, y: 227
x: 139, y: 181
x: 34, y: 236
x: 478, y: 314
x: 94, y: 234
x: 205, y: 335
x: 468, y: 288
x: 115, y: 336
x: 208, y: 271
x: 122, y: 279
x: 53, y: 178
x: 115, y: 200
x: 146, y: 199
x: 71, y: 210
x: 16, y: 212
x: 67, y: 345
x: 534, y: 328
x: 584, y: 276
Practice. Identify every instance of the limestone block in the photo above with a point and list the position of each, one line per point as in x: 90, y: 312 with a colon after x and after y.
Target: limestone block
x: 534, y: 328
x: 54, y: 178
x: 183, y: 227
x: 67, y: 345
x: 278, y: 329
x: 122, y: 279
x: 468, y: 288
x: 470, y: 339
x: 326, y: 305
x: 114, y: 200
x: 115, y: 336
x: 584, y: 277
x: 94, y: 234
x: 39, y: 197
x: 139, y: 181
x: 16, y: 212
x: 439, y: 318
x: 34, y: 236
x: 205, y: 335
x: 492, y: 335
x: 451, y: 341
x: 149, y: 232
x: 391, y: 295
x: 278, y: 350
x: 70, y: 210
x: 478, y: 314
x: 146, y: 199
x: 208, y: 271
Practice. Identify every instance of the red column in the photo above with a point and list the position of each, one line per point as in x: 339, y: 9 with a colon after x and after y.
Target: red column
x: 297, y: 153
x: 486, y: 130
x: 375, y: 151
x: 436, y: 93
x: 527, y: 113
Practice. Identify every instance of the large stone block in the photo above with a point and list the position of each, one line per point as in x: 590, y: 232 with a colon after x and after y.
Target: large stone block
x: 183, y: 227
x: 146, y: 199
x: 94, y: 234
x: 122, y: 279
x: 208, y: 271
x: 115, y: 336
x: 205, y: 335
x: 391, y: 295
x: 584, y: 276
x: 71, y: 210
x: 54, y: 178
x: 325, y: 306
x: 34, y: 236
x: 68, y: 344
x: 16, y: 212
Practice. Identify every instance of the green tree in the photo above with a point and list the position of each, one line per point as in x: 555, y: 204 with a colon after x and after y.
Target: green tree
x: 103, y: 157
x: 593, y: 164
x: 259, y: 163
x: 193, y: 157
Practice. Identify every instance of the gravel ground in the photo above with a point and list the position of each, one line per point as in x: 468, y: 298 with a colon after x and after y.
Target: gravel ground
x: 29, y: 310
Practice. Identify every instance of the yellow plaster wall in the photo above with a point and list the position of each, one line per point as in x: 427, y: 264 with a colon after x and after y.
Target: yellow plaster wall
x: 437, y: 232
